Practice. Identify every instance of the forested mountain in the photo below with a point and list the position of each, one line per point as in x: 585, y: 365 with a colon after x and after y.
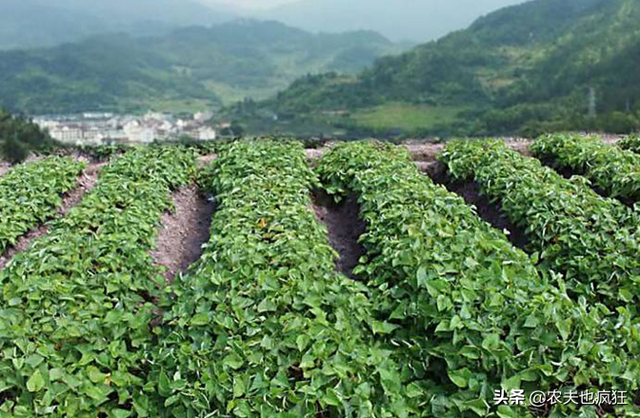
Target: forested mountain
x: 536, y: 65
x: 189, y: 68
x: 45, y: 23
x: 417, y: 20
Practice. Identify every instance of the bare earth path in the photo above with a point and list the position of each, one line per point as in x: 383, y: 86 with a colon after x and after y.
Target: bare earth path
x: 344, y: 228
x: 183, y: 232
x: 4, y: 168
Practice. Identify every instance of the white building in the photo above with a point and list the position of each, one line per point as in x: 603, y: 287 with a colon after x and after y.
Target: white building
x: 135, y: 132
x: 206, y: 134
x: 97, y: 115
x: 104, y: 128
x: 67, y: 135
x: 202, y: 116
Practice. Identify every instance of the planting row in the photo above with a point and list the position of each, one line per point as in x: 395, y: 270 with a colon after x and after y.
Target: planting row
x: 31, y: 193
x: 613, y: 170
x: 76, y: 306
x: 263, y: 326
x: 573, y: 230
x: 468, y: 311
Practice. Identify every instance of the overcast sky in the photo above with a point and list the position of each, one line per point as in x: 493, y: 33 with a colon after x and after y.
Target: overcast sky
x: 254, y: 4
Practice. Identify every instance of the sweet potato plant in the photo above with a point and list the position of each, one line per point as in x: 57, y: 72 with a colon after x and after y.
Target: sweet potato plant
x: 31, y: 193
x: 468, y: 312
x: 76, y: 308
x: 263, y: 326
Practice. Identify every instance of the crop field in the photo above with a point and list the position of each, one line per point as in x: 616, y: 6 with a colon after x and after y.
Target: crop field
x: 357, y: 280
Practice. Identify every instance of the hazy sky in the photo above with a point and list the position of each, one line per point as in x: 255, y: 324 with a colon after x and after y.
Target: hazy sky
x: 255, y: 4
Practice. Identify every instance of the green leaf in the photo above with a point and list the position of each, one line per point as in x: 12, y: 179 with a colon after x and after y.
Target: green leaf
x: 511, y: 383
x: 383, y: 328
x: 234, y: 361
x: 303, y: 342
x: 414, y: 391
x: 56, y: 374
x: 332, y: 398
x: 120, y: 413
x: 507, y: 412
x: 95, y: 375
x: 200, y: 319
x: 239, y: 387
x: 35, y: 382
x: 491, y: 342
x: 267, y: 305
x: 478, y: 406
x: 164, y: 385
x: 98, y: 393
x: 460, y: 377
x: 532, y: 322
x: 422, y: 276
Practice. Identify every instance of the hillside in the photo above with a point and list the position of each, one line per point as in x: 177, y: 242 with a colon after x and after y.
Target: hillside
x: 27, y: 24
x: 187, y: 68
x: 417, y: 20
x: 41, y: 23
x: 526, y: 67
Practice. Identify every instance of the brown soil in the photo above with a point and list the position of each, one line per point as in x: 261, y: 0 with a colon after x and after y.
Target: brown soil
x: 205, y: 160
x: 490, y: 212
x: 314, y: 154
x: 519, y: 144
x: 183, y: 232
x: 4, y: 168
x: 611, y: 139
x: 344, y: 227
x: 426, y: 152
x: 87, y: 181
x: 430, y: 168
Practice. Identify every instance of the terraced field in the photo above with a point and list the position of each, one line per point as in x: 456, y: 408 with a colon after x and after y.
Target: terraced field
x: 349, y: 281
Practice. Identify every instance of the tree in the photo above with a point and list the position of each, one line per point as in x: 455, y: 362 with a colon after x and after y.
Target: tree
x: 237, y: 129
x: 13, y: 150
x: 19, y: 137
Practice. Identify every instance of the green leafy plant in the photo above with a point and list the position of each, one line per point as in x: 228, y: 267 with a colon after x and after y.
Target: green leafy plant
x: 630, y: 143
x: 105, y: 152
x: 590, y: 239
x: 76, y: 308
x: 468, y: 312
x: 263, y: 326
x: 613, y: 170
x: 31, y: 193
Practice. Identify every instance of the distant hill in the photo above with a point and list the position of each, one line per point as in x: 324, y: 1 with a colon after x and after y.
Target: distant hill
x: 45, y: 23
x: 188, y: 68
x: 417, y: 20
x: 523, y: 68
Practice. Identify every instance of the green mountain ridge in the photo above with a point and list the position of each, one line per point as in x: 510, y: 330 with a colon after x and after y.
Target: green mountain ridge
x: 194, y: 67
x: 417, y: 20
x: 44, y: 23
x: 523, y: 68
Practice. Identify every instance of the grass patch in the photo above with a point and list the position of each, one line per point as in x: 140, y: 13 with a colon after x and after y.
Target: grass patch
x: 407, y: 117
x: 174, y: 105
